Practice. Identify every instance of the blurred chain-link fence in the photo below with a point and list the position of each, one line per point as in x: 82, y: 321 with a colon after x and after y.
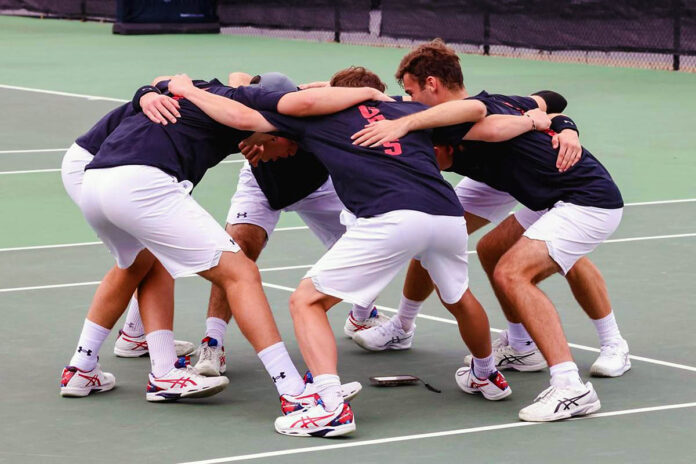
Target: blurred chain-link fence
x: 657, y: 34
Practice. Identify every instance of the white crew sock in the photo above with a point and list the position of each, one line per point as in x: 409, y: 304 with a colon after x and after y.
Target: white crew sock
x: 329, y: 389
x: 216, y: 328
x: 607, y: 330
x: 91, y: 339
x: 133, y: 325
x: 280, y: 367
x: 160, y: 343
x: 565, y: 374
x: 519, y: 338
x: 408, y: 310
x: 484, y: 367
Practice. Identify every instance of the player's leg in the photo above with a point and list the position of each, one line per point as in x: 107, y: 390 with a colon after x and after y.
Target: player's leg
x: 355, y: 269
x: 554, y: 243
x: 83, y: 373
x: 327, y: 218
x: 250, y: 222
x: 514, y: 348
x: 590, y: 291
x: 211, y: 353
x: 447, y: 263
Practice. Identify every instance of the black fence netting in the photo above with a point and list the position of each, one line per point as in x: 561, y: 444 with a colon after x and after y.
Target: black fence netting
x: 655, y: 34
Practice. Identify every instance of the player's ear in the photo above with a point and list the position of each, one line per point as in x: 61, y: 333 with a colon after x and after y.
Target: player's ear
x: 432, y: 83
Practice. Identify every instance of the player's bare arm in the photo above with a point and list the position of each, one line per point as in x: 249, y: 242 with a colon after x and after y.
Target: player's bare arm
x: 501, y: 127
x: 444, y: 114
x: 567, y: 142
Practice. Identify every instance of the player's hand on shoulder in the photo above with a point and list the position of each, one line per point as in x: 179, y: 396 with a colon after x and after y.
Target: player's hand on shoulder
x: 380, y: 132
x: 541, y: 120
x: 252, y: 147
x: 569, y: 149
x: 180, y: 84
x: 314, y: 85
x: 159, y: 108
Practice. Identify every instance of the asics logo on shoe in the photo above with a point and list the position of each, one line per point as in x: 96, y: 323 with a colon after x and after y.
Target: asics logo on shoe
x: 281, y: 376
x: 82, y: 350
x: 512, y: 359
x: 568, y: 402
x: 305, y: 421
x: 180, y: 382
x: 92, y: 380
x: 477, y: 385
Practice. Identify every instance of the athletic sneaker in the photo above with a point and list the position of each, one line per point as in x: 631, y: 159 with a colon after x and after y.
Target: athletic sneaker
x: 76, y: 382
x: 134, y: 347
x: 388, y: 336
x: 183, y: 382
x: 613, y: 360
x: 309, y: 397
x: 353, y: 325
x: 494, y: 388
x: 317, y: 422
x: 506, y: 357
x: 211, y: 358
x: 561, y: 403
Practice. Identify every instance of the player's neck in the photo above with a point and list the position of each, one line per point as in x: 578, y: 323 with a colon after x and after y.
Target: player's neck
x: 458, y: 94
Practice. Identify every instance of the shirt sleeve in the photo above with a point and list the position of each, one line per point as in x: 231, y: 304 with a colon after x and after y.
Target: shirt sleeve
x: 288, y: 125
x: 451, y: 135
x: 258, y: 98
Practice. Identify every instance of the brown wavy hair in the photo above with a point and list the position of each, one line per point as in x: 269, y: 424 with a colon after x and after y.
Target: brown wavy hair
x: 357, y: 76
x: 435, y: 59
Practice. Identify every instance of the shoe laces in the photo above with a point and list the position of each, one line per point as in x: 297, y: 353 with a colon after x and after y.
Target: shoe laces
x: 206, y: 353
x: 388, y: 328
x: 613, y: 349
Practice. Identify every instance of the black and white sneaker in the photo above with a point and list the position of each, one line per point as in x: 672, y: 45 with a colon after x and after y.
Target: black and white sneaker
x: 561, y: 403
x: 387, y: 336
x: 506, y: 357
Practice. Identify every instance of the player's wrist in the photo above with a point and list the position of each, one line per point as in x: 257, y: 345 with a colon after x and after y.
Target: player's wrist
x: 533, y: 128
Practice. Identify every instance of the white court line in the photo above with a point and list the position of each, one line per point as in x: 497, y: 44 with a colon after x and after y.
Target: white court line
x: 287, y: 229
x: 29, y: 171
x: 97, y: 282
x: 62, y: 94
x: 662, y: 202
x: 36, y: 171
x: 8, y: 152
x: 421, y: 436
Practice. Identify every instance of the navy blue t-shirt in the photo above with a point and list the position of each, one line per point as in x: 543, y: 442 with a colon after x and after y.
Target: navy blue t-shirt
x: 186, y: 149
x: 525, y: 166
x: 92, y: 139
x: 369, y: 181
x: 288, y: 180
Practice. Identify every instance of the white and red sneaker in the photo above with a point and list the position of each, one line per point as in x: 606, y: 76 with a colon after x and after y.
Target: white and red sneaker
x: 133, y: 347
x: 317, y: 422
x: 494, y: 388
x: 183, y: 381
x: 211, y: 358
x: 75, y: 382
x: 352, y: 325
x: 309, y: 397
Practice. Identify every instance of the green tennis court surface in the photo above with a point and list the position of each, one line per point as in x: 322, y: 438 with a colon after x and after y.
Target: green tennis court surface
x: 639, y: 123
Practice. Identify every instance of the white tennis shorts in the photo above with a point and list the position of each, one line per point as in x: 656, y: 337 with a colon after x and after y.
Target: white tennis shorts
x: 373, y: 250
x: 72, y: 170
x: 136, y: 207
x: 484, y: 201
x: 320, y: 210
x: 571, y: 231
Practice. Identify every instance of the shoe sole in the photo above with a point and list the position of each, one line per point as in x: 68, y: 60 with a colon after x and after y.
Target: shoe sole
x: 74, y: 392
x: 584, y: 411
x: 350, y: 390
x: 474, y: 391
x: 394, y: 347
x: 321, y: 432
x: 619, y: 373
x: 163, y: 396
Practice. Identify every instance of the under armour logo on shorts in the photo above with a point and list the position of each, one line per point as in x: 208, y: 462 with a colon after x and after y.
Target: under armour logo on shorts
x: 240, y: 215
